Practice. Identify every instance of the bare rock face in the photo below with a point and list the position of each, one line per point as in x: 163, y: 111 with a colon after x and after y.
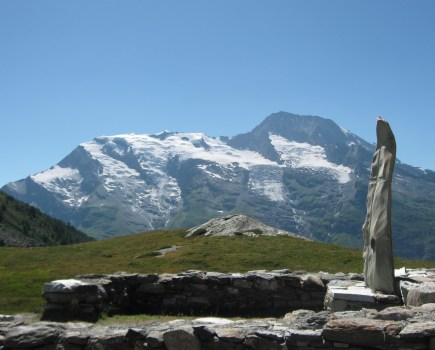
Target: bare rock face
x: 378, y: 252
x: 237, y: 225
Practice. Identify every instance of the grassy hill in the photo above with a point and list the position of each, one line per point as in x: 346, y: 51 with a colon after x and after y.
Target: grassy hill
x: 23, y: 271
x: 24, y: 225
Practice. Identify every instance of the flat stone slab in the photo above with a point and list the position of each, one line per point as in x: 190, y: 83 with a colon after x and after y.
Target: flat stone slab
x: 355, y: 295
x: 418, y: 275
x: 356, y: 292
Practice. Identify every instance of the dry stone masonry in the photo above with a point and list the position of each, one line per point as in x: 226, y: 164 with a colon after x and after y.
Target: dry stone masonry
x: 392, y: 328
x: 255, y: 293
x: 411, y: 326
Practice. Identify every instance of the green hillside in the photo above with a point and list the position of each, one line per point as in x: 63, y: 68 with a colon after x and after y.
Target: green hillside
x: 24, y: 225
x: 23, y: 271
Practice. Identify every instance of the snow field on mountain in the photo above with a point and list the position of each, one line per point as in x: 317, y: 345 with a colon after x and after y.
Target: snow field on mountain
x: 64, y: 181
x: 304, y: 155
x: 149, y: 186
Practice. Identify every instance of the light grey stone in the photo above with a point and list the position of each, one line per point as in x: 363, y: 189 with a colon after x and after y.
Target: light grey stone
x: 313, y: 282
x: 7, y: 318
x: 364, y: 332
x: 377, y: 233
x: 76, y: 337
x: 32, y: 336
x: 422, y: 294
x: 418, y: 330
x: 62, y: 286
x: 259, y: 343
x: 233, y: 225
x: 230, y: 335
x: 395, y: 313
x: 405, y: 287
x: 155, y: 340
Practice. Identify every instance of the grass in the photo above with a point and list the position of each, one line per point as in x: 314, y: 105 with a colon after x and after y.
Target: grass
x: 23, y: 271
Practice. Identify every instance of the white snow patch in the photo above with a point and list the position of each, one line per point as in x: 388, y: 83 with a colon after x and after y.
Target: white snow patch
x: 145, y: 187
x: 267, y: 181
x: 134, y: 168
x: 423, y: 170
x: 64, y: 181
x: 204, y: 168
x: 304, y: 155
x: 55, y: 173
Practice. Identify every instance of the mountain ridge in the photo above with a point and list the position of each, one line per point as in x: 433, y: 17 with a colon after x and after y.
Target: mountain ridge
x: 22, y: 225
x: 303, y: 174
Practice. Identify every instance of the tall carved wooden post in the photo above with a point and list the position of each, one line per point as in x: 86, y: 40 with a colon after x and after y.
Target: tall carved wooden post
x: 378, y: 249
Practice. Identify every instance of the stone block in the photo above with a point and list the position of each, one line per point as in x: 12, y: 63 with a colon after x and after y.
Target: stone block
x: 181, y: 339
x: 405, y: 287
x: 151, y: 288
x: 62, y: 286
x: 422, y: 294
x: 312, y: 282
x: 258, y: 343
x: 204, y: 333
x: 232, y: 290
x: 148, y: 278
x: 31, y: 336
x: 197, y: 287
x: 198, y: 301
x: 304, y: 338
x: 242, y: 283
x: 265, y: 284
x: 363, y: 332
x: 76, y: 337
x: 155, y: 340
x: 59, y: 298
x: 418, y: 330
x: 87, y: 309
x: 233, y: 335
x: 218, y: 277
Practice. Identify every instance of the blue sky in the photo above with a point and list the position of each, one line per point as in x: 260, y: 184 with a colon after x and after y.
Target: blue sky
x: 74, y: 70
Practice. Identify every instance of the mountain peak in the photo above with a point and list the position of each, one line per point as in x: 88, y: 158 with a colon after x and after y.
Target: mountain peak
x: 302, y: 174
x: 303, y: 128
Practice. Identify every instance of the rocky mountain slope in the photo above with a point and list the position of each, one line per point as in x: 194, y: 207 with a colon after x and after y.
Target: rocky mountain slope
x: 302, y: 174
x: 22, y: 225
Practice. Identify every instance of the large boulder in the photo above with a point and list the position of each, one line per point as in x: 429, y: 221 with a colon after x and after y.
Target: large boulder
x: 236, y: 225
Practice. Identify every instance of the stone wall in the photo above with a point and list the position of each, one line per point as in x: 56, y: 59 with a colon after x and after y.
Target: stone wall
x: 258, y: 292
x: 410, y: 328
x: 255, y: 293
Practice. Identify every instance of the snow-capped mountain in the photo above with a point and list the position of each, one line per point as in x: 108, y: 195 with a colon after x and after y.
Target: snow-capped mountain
x: 303, y: 174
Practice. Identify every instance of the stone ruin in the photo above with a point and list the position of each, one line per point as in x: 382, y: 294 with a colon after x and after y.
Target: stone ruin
x: 303, y: 323
x: 381, y: 309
